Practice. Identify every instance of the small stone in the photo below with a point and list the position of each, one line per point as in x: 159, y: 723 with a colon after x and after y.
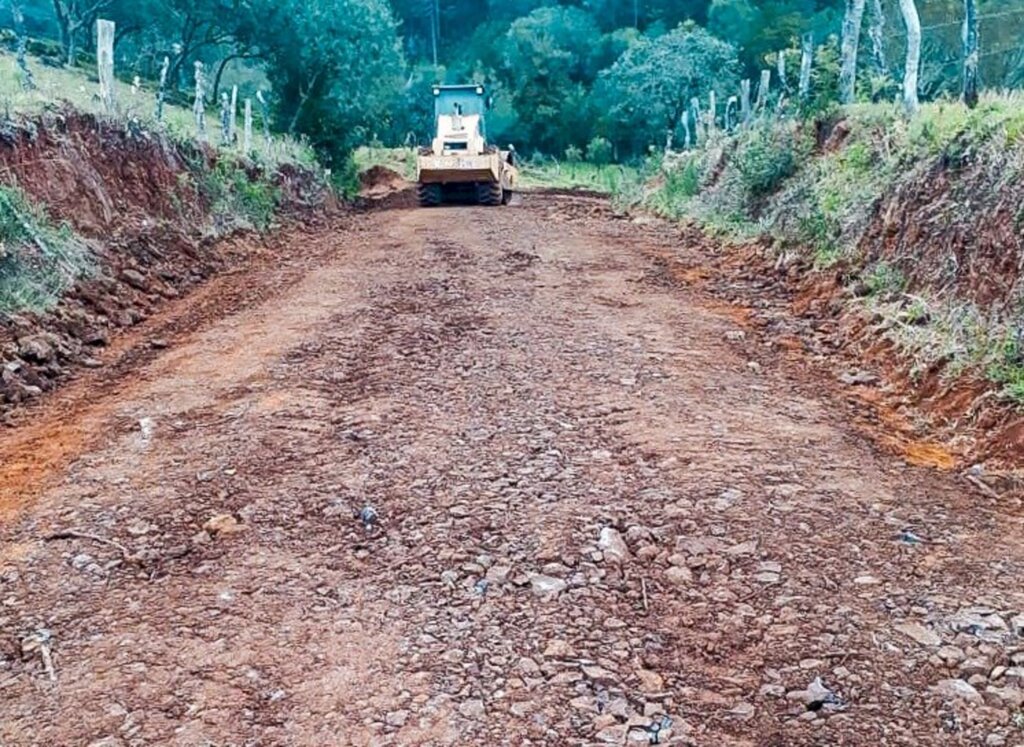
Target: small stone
x: 975, y: 665
x: 866, y: 581
x: 957, y: 689
x: 923, y: 635
x: 613, y: 546
x: 995, y: 740
x: 397, y: 718
x: 473, y: 709
x: 951, y: 655
x: 742, y: 711
x: 612, y: 734
x: 679, y: 575
x: 559, y: 649
x: 544, y: 586
x: 223, y: 524
x: 650, y: 682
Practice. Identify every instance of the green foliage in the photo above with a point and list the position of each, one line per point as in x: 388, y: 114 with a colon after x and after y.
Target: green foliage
x: 38, y: 259
x: 600, y: 151
x: 237, y: 199
x: 549, y: 61
x: 573, y: 154
x: 885, y: 280
x: 1007, y: 368
x: 764, y: 158
x: 337, y: 68
x: 647, y: 91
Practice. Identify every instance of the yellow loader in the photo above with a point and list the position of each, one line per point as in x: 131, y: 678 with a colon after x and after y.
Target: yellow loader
x: 460, y: 165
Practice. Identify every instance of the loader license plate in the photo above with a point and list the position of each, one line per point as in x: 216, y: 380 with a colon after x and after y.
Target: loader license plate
x: 460, y: 163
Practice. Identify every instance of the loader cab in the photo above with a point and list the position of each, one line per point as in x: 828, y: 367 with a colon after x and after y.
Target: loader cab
x: 462, y: 101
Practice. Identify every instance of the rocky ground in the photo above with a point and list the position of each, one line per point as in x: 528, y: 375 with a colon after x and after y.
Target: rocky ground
x: 489, y: 476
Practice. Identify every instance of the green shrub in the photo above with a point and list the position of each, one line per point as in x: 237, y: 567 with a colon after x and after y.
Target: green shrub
x: 236, y: 199
x: 765, y: 158
x: 600, y: 151
x: 38, y: 259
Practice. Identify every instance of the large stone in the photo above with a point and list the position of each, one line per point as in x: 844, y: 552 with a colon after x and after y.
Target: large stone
x: 613, y: 546
x: 544, y: 586
x: 920, y: 633
x: 679, y: 576
x: 957, y: 690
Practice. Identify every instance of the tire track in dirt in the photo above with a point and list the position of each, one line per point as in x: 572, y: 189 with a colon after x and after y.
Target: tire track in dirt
x: 599, y: 523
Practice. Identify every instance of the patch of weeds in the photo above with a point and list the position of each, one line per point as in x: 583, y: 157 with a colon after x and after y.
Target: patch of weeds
x: 235, y: 198
x: 765, y: 159
x: 1007, y: 368
x: 39, y: 260
x: 681, y: 184
x: 818, y: 232
x: 884, y: 280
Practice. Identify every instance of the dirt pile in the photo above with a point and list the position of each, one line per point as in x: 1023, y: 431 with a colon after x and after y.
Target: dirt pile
x: 138, y: 199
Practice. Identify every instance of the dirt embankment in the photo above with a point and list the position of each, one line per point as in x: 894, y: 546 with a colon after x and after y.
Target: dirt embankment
x: 952, y: 232
x: 138, y: 199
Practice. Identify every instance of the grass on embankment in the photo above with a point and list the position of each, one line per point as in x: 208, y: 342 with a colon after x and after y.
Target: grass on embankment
x: 78, y: 88
x: 913, y: 213
x: 40, y: 254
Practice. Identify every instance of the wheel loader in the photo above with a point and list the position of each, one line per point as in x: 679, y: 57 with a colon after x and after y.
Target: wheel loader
x: 460, y: 165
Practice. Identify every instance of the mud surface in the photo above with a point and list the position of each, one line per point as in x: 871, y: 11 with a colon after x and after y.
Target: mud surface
x: 610, y: 509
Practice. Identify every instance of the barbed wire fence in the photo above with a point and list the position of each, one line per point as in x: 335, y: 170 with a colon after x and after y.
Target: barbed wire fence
x: 738, y: 112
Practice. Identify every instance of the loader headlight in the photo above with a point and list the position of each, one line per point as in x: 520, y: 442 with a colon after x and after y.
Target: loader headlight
x: 480, y: 90
x: 437, y: 91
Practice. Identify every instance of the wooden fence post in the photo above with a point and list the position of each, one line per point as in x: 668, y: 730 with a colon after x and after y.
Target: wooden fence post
x: 971, y: 43
x: 265, y: 116
x: 698, y: 122
x: 762, y: 91
x: 712, y: 114
x: 161, y: 92
x: 806, y: 61
x: 199, y: 105
x: 247, y: 128
x: 745, y: 101
x: 780, y: 67
x: 913, y: 63
x: 851, y: 40
x: 105, y: 62
x: 232, y: 123
x: 224, y: 122
x: 730, y: 112
x: 28, y: 83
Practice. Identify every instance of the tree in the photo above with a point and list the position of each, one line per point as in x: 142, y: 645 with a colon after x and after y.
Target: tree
x: 72, y: 17
x: 549, y: 60
x: 646, y: 93
x: 336, y: 68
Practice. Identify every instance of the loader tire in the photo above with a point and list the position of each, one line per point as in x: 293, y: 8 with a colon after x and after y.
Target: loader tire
x: 429, y: 194
x: 489, y: 194
x: 506, y: 196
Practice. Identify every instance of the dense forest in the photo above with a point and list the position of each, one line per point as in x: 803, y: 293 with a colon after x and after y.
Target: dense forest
x: 601, y: 78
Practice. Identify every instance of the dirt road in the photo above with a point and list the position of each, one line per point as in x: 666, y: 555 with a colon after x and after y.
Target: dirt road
x: 607, y: 513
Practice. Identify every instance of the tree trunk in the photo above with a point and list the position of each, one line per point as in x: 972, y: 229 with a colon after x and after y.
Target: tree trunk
x: 806, y: 61
x: 971, y: 43
x: 913, y: 64
x: 851, y: 40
